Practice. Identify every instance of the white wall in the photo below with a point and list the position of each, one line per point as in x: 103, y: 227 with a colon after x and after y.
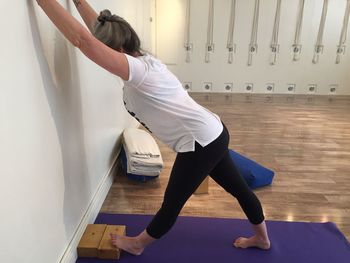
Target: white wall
x: 170, y: 46
x: 61, y: 118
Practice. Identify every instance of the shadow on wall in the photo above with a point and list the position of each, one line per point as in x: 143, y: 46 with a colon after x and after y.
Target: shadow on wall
x: 64, y: 100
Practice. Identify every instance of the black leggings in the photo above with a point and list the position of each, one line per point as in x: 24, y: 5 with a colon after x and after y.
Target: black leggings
x: 189, y: 171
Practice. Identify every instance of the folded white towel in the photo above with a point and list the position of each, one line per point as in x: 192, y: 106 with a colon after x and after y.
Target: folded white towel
x: 137, y: 160
x: 151, y: 167
x: 142, y: 153
x: 140, y: 143
x: 132, y: 170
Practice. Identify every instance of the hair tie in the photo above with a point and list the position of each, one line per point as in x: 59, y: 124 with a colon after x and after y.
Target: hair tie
x: 104, y: 16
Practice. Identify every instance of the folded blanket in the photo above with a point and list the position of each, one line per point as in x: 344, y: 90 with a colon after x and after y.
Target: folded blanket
x: 137, y: 168
x: 143, y: 168
x: 132, y: 170
x: 140, y: 143
x: 142, y: 153
x: 135, y: 160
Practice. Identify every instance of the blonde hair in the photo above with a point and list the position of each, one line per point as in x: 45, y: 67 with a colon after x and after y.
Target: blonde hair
x: 116, y: 33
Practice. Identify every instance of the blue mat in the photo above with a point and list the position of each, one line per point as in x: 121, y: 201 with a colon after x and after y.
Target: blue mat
x: 208, y: 240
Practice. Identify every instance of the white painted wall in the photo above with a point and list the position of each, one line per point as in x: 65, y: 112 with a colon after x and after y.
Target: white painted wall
x: 170, y: 46
x: 61, y: 118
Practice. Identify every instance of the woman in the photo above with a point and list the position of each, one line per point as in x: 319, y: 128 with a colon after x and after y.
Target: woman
x: 155, y: 97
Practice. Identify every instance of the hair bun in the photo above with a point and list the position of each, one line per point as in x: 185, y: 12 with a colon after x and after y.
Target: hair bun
x: 104, y: 16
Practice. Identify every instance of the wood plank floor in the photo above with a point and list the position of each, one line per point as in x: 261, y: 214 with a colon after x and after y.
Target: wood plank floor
x: 304, y: 139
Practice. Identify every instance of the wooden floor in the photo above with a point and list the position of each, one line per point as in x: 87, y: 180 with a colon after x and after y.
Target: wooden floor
x: 304, y: 139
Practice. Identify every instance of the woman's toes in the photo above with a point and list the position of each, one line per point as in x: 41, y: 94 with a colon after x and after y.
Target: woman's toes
x: 238, y: 239
x: 251, y: 242
x: 237, y: 242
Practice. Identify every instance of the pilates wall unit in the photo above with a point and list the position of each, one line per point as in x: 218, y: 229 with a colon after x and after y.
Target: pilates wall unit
x: 184, y: 47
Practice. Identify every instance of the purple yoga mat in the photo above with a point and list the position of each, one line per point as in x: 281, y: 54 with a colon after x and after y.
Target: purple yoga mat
x: 209, y: 240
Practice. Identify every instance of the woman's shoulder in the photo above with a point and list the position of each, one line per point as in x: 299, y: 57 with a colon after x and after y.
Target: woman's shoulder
x: 152, y: 61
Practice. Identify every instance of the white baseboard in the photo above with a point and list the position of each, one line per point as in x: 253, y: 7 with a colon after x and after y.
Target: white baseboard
x: 70, y: 255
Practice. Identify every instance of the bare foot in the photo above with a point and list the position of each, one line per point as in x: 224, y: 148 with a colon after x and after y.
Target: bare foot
x: 254, y: 241
x: 128, y: 244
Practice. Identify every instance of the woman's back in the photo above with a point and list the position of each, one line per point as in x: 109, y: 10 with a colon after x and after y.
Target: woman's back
x: 156, y: 98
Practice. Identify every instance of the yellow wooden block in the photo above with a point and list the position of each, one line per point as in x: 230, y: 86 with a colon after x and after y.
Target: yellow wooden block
x: 204, y: 187
x: 90, y: 241
x: 106, y: 249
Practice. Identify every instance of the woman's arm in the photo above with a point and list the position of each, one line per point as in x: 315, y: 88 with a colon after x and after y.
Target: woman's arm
x: 111, y: 60
x: 88, y: 14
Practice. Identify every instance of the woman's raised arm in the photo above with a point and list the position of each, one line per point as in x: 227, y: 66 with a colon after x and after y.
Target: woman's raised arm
x: 88, y: 14
x: 110, y: 59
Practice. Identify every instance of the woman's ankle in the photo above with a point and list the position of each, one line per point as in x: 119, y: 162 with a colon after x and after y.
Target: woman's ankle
x: 144, y: 239
x: 260, y: 231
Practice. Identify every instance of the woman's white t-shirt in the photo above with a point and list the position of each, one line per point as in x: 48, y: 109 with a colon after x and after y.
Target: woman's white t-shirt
x: 156, y: 98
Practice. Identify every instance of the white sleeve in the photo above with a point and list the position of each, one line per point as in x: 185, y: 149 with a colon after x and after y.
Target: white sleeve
x: 137, y: 70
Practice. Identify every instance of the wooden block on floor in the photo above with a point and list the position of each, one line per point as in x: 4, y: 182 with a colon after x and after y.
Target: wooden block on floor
x: 90, y: 241
x: 106, y: 249
x: 204, y: 187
